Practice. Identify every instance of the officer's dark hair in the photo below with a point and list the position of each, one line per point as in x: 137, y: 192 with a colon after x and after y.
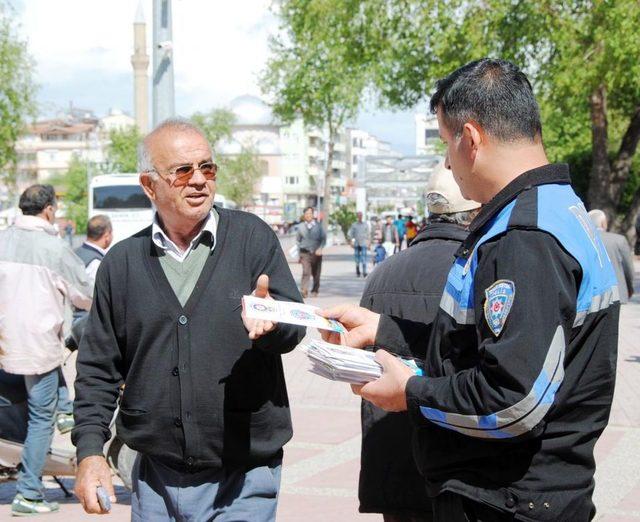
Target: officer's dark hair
x: 36, y: 198
x: 98, y: 226
x: 308, y: 208
x: 493, y: 93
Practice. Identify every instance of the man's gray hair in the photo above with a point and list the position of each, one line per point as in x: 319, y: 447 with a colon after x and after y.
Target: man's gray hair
x: 598, y: 218
x: 457, y: 218
x: 145, y: 162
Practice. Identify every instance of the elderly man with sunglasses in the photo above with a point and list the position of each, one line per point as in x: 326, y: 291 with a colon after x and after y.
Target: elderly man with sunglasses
x: 204, y: 400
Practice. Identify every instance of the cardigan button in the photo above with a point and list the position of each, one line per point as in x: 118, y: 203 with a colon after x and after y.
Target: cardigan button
x: 182, y: 319
x: 175, y: 372
x: 178, y: 422
x: 190, y: 461
x: 510, y: 502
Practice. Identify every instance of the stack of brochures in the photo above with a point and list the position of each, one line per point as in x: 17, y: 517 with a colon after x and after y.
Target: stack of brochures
x: 346, y: 364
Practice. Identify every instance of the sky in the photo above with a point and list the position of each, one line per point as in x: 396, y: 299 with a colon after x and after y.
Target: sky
x: 82, y: 50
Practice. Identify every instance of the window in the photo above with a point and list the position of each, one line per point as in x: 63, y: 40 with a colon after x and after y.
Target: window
x: 120, y: 196
x: 292, y: 180
x: 431, y: 134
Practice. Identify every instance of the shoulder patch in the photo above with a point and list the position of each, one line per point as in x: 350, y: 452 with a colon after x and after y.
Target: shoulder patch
x: 499, y: 299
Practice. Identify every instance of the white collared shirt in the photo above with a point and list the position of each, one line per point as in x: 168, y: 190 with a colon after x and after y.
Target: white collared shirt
x: 92, y: 268
x: 163, y: 242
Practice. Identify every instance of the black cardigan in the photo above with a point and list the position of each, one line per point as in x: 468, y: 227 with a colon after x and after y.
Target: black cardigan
x: 199, y: 393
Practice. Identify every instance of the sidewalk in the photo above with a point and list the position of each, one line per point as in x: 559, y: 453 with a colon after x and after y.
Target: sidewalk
x: 320, y: 472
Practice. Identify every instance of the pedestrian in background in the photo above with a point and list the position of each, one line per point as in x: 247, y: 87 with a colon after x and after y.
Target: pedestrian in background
x: 40, y: 277
x: 311, y: 239
x: 390, y: 237
x: 379, y: 253
x: 94, y: 248
x: 359, y: 235
x: 204, y: 402
x: 400, y: 226
x: 68, y: 233
x: 412, y: 230
x: 409, y: 286
x: 619, y: 253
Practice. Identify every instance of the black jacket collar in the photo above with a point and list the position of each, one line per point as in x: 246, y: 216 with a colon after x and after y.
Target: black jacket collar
x: 441, y: 231
x: 552, y: 173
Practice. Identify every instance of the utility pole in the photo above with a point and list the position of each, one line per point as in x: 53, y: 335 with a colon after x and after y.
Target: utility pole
x: 163, y: 93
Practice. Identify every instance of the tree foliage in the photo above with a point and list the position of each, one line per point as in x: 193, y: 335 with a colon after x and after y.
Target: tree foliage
x: 74, y: 186
x: 17, y: 93
x: 122, y: 150
x: 318, y: 69
x: 239, y: 172
x: 344, y: 216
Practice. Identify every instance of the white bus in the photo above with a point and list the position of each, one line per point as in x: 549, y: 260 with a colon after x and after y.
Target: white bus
x: 121, y: 197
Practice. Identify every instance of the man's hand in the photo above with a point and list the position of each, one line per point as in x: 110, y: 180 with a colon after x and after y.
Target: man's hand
x: 92, y: 472
x: 387, y: 392
x: 361, y: 325
x: 319, y: 252
x: 259, y: 327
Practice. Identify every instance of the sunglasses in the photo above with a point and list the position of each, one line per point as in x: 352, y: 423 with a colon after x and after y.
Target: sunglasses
x: 182, y: 173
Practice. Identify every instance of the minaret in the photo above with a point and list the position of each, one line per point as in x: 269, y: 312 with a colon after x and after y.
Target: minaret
x: 140, y: 62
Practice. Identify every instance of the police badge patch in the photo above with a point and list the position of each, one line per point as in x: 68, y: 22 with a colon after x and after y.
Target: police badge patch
x: 499, y: 299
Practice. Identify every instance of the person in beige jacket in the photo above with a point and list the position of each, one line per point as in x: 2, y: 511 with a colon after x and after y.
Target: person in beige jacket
x: 39, y: 276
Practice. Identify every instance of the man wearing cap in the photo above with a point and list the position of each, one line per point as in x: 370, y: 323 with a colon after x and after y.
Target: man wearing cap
x: 409, y: 286
x: 521, y: 359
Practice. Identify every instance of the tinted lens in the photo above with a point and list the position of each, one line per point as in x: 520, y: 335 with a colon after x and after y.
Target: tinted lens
x: 184, y: 171
x: 209, y: 170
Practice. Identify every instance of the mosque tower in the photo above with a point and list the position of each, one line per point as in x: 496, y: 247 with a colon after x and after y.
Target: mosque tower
x: 140, y: 63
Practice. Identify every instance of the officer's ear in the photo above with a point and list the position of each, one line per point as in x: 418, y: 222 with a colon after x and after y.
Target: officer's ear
x: 473, y: 138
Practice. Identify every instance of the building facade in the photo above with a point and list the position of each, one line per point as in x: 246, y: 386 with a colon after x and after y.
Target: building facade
x: 48, y: 146
x: 427, y: 136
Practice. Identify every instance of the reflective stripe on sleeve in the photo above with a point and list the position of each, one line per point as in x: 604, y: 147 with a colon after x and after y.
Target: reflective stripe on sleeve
x: 522, y: 416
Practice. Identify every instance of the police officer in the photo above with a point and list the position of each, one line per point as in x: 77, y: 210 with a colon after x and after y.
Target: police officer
x: 520, y: 364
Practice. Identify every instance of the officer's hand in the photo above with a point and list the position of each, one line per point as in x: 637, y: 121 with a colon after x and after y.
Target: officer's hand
x: 361, y: 325
x: 92, y: 472
x: 259, y: 327
x: 387, y: 392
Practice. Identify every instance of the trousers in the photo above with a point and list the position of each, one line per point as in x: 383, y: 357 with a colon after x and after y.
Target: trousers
x: 42, y: 400
x: 360, y: 255
x: 163, y: 494
x: 311, y: 267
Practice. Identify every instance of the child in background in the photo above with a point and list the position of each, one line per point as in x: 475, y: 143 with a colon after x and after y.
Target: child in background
x: 379, y: 253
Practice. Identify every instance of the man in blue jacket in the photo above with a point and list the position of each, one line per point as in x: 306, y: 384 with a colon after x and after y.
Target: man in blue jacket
x: 520, y: 365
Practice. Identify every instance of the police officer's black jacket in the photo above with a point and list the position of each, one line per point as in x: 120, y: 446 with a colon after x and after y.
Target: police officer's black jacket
x: 521, y: 360
x: 199, y: 393
x: 408, y: 285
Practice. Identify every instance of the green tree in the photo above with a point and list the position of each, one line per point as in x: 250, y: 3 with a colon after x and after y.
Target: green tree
x: 122, y: 150
x: 238, y: 176
x: 344, y: 216
x: 73, y: 184
x: 17, y: 93
x: 581, y: 55
x: 239, y: 172
x: 318, y: 68
x: 217, y: 124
